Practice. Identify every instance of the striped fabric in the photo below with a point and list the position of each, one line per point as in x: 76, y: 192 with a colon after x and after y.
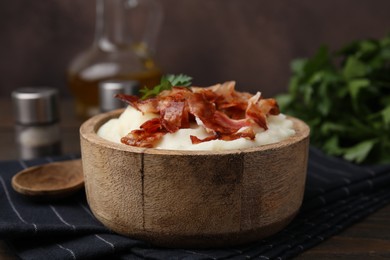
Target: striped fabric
x: 337, y: 195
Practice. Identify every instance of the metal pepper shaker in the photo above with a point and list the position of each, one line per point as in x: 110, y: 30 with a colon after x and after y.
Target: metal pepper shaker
x: 37, y: 122
x: 108, y: 89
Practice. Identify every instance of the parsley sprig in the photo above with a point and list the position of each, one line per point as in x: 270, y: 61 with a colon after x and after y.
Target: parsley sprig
x: 167, y: 82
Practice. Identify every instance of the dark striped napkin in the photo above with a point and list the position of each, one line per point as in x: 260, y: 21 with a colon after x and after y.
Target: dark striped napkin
x: 337, y: 195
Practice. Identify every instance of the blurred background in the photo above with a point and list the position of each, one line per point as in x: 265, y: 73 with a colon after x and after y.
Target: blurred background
x: 252, y: 41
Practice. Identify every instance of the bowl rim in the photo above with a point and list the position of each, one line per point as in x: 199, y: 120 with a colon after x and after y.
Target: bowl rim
x: 88, y: 130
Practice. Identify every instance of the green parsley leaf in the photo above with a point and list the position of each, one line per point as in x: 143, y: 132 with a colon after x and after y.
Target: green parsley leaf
x: 360, y: 151
x: 166, y: 83
x: 179, y: 80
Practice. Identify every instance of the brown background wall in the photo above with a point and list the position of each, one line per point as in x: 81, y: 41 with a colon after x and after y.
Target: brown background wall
x: 251, y: 41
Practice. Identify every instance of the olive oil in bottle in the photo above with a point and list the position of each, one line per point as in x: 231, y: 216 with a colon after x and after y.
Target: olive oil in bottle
x: 117, y: 53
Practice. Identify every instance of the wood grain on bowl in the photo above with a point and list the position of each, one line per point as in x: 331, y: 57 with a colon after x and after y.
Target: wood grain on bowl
x: 194, y: 198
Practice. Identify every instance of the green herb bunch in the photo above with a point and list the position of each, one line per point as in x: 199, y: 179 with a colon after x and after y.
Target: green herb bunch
x: 345, y: 99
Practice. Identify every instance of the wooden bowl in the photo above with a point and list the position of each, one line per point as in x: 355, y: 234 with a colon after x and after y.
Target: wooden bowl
x: 194, y: 199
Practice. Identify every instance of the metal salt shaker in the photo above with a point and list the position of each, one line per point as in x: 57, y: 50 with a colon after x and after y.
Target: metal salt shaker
x: 108, y: 89
x: 37, y: 122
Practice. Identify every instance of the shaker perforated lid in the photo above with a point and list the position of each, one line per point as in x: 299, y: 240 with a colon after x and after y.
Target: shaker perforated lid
x: 35, y: 105
x: 108, y: 89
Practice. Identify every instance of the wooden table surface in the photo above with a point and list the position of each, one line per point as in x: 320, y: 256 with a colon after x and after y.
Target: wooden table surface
x: 368, y: 239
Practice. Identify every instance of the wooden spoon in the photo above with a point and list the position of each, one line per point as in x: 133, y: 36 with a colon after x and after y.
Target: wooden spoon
x: 50, y: 181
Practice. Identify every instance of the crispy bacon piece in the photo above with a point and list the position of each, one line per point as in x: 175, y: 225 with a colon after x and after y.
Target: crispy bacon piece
x: 145, y: 106
x: 222, y: 110
x: 212, y: 118
x: 152, y: 125
x: 259, y: 108
x: 174, y: 111
x: 248, y: 133
x: 196, y: 140
x: 150, y: 133
x: 269, y: 106
x: 226, y: 99
x: 171, y: 116
x: 255, y: 112
x: 229, y: 97
x: 230, y: 125
x: 142, y: 138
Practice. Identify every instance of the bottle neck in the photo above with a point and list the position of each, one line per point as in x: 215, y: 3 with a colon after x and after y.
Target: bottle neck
x: 112, y: 26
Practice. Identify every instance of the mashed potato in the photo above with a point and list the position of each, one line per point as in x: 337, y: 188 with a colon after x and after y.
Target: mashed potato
x: 279, y: 128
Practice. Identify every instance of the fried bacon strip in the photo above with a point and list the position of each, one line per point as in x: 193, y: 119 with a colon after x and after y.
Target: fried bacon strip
x: 149, y: 133
x: 145, y: 106
x: 225, y: 113
x: 248, y: 133
x: 174, y: 111
x: 213, y: 119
